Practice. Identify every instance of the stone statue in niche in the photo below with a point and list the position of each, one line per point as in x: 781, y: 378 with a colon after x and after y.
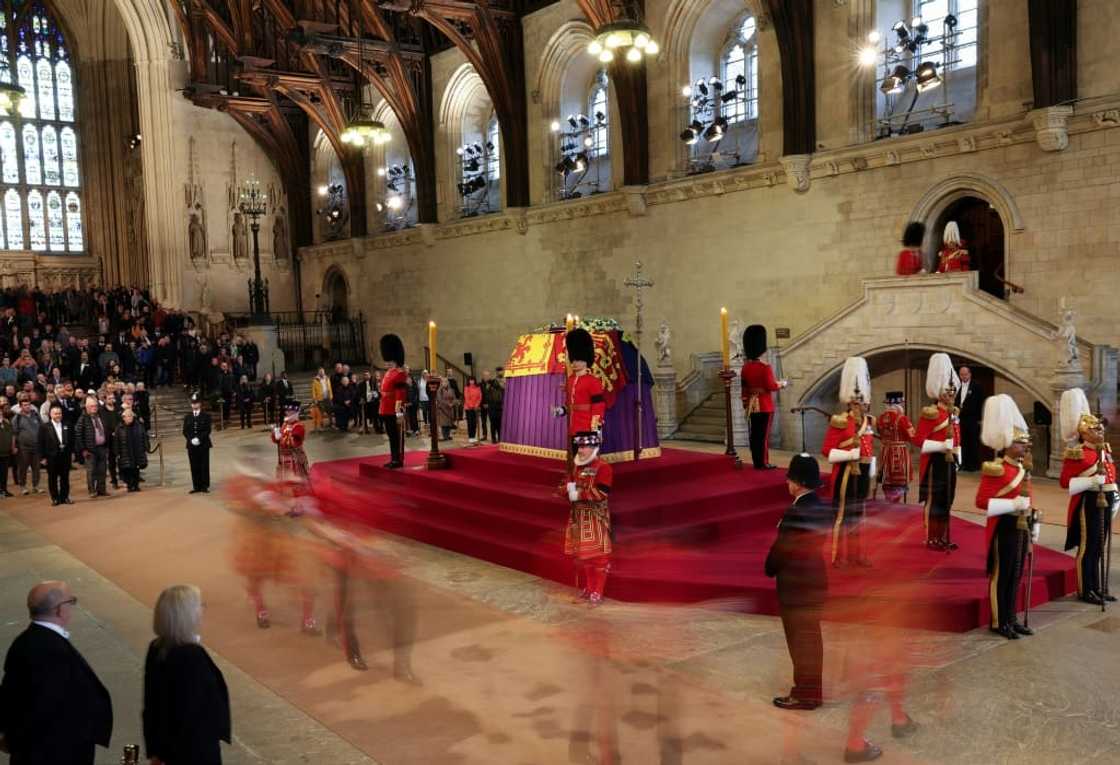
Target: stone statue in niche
x: 239, y: 243
x: 1068, y: 355
x: 736, y: 337
x: 664, y: 351
x: 280, y: 244
x: 196, y: 234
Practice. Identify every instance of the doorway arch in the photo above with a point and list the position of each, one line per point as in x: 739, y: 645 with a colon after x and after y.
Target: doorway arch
x: 336, y: 293
x: 983, y: 233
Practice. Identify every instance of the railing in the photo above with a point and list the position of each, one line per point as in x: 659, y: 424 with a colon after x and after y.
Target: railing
x: 457, y: 372
x: 310, y: 339
x: 159, y: 448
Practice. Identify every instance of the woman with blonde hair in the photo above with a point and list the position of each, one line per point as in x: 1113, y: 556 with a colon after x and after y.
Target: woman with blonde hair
x: 186, y: 702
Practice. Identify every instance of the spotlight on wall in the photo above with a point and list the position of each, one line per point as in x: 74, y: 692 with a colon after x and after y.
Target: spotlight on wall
x: 134, y: 141
x: 868, y: 56
x: 381, y: 172
x: 927, y: 78
x: 554, y: 126
x: 323, y: 190
x: 873, y: 37
x: 686, y: 91
x: 895, y: 82
x: 716, y: 83
x: 573, y: 122
x: 394, y: 203
x: 729, y: 96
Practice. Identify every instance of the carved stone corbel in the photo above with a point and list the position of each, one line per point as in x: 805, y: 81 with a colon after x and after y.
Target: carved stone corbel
x: 798, y: 171
x: 1051, y: 127
x: 635, y: 200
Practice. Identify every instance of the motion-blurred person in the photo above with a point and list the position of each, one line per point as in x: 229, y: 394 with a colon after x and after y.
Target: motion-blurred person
x: 186, y: 703
x: 56, y: 441
x: 196, y: 429
x: 1004, y: 494
x: 53, y: 708
x: 849, y: 447
x: 1089, y: 474
x: 896, y: 433
x: 291, y: 462
x: 130, y: 443
x: 587, y: 537
x: 802, y: 583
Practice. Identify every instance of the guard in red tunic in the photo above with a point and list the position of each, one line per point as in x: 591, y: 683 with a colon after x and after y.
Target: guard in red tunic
x: 394, y: 397
x: 1090, y: 475
x: 584, y: 399
x: 953, y: 255
x: 1004, y: 494
x: 849, y: 446
x: 910, y: 258
x: 291, y: 462
x: 939, y: 438
x: 758, y: 383
x: 587, y: 537
x: 896, y: 434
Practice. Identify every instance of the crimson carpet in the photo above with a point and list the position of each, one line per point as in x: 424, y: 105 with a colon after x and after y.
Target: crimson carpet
x: 688, y: 528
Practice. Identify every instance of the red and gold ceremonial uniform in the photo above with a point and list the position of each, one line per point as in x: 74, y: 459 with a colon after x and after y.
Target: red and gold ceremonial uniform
x: 937, y: 472
x: 586, y: 402
x: 291, y: 463
x: 851, y: 481
x: 587, y: 537
x: 896, y: 433
x: 758, y: 385
x: 394, y: 392
x: 1007, y: 537
x: 952, y: 259
x: 1087, y: 520
x: 909, y: 262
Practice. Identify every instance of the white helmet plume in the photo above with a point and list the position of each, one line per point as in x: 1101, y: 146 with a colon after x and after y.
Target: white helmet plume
x: 1074, y: 405
x: 1003, y: 422
x: 855, y: 381
x: 940, y: 375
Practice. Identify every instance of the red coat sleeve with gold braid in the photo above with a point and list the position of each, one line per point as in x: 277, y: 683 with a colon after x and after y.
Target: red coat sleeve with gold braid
x: 293, y: 438
x: 1071, y: 469
x: 595, y: 487
x: 990, y: 488
x: 835, y: 436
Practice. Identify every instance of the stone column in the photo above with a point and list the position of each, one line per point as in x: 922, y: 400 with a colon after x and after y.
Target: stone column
x: 665, y: 400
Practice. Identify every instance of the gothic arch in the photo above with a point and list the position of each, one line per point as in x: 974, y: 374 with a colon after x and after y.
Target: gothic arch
x: 683, y: 21
x: 941, y: 195
x: 464, y: 96
x: 336, y: 292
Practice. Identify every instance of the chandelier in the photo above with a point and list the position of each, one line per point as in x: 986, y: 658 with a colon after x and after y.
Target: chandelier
x: 627, y: 35
x: 363, y: 129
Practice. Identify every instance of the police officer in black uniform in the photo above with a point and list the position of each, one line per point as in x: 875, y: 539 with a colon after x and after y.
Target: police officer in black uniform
x: 196, y: 429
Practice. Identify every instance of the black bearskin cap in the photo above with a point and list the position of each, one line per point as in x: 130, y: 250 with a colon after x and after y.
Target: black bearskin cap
x: 580, y: 346
x: 914, y: 234
x: 804, y: 470
x: 392, y: 349
x: 754, y: 341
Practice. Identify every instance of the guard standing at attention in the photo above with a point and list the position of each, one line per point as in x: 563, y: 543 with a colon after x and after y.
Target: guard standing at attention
x: 196, y: 429
x: 758, y: 385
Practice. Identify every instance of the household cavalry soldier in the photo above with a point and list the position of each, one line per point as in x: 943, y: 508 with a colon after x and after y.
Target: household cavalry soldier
x: 291, y: 459
x: 1005, y: 495
x: 896, y: 433
x: 587, y: 537
x: 584, y: 399
x: 1090, y: 475
x: 939, y: 437
x: 394, y: 396
x: 758, y: 383
x: 848, y: 445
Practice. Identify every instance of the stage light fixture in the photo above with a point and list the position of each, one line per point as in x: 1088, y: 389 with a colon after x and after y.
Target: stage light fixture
x: 950, y: 22
x: 572, y: 121
x: 600, y: 117
x: 627, y: 34
x: 927, y: 78
x: 633, y: 55
x: 729, y: 96
x: 686, y: 91
x: 323, y: 191
x: 595, y: 47
x: 689, y: 136
x: 895, y: 82
x: 868, y: 57
x: 394, y: 203
x: 915, y: 22
x: 873, y: 37
x: 381, y: 172
x: 715, y: 82
x: 554, y: 126
x: 702, y: 87
x: 583, y: 121
x: 489, y: 146
x: 606, y: 56
x: 459, y: 151
x: 740, y: 80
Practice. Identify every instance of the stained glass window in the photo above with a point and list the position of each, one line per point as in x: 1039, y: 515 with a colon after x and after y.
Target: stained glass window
x: 40, y: 178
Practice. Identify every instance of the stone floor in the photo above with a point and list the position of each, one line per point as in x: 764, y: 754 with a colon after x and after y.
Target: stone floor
x: 514, y: 671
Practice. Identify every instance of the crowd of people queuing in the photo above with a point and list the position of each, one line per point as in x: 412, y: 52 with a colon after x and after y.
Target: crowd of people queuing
x: 347, y: 400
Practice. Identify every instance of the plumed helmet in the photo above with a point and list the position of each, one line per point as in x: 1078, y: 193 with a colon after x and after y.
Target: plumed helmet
x: 580, y: 346
x: 392, y: 349
x: 940, y: 375
x: 855, y: 381
x: 1003, y: 423
x: 1076, y: 414
x: 804, y: 470
x: 952, y: 233
x: 913, y: 234
x: 754, y: 341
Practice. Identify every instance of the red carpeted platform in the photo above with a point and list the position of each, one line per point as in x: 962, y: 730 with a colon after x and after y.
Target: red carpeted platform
x: 688, y: 528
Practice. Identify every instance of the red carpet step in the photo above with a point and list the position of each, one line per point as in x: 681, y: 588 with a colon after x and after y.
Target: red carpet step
x: 688, y: 528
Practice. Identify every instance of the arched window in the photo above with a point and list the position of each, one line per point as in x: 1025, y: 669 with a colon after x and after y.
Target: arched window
x: 39, y: 177
x: 494, y: 150
x: 739, y: 72
x: 598, y: 112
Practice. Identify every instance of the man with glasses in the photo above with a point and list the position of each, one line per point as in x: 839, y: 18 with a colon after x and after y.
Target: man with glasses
x: 53, y: 707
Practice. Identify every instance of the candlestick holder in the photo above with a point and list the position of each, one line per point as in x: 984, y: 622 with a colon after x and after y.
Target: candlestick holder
x: 727, y: 376
x: 436, y: 459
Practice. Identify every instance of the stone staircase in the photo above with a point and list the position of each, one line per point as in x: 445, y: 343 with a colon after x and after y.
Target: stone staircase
x: 706, y: 422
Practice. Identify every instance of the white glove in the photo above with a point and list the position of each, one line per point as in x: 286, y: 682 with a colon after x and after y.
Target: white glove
x: 195, y: 441
x: 400, y: 415
x: 1100, y: 479
x: 783, y: 383
x: 933, y: 447
x: 841, y: 455
x: 1035, y: 531
x: 276, y: 430
x: 573, y: 491
x: 1080, y: 484
x: 1000, y: 507
x: 853, y: 454
x: 948, y: 444
x: 871, y: 472
x: 1022, y: 503
x: 559, y: 411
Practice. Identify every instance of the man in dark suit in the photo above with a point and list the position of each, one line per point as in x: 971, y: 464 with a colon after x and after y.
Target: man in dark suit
x: 970, y: 402
x: 89, y: 376
x: 796, y: 562
x: 56, y: 442
x: 53, y: 708
x: 196, y: 429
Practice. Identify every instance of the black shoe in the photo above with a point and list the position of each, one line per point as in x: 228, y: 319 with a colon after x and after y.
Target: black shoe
x: 67, y: 501
x: 1091, y: 597
x: 194, y: 491
x: 1022, y: 630
x: 935, y: 544
x: 789, y: 702
x: 1005, y: 631
x: 867, y: 754
x: 357, y: 662
x: 54, y: 503
x: 908, y: 728
x: 949, y: 546
x: 394, y: 465
x: 1108, y: 598
x: 102, y: 493
x: 768, y: 466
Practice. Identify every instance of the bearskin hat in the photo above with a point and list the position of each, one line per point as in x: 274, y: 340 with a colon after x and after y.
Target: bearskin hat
x: 581, y: 347
x: 392, y: 349
x: 754, y: 341
x: 913, y: 234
